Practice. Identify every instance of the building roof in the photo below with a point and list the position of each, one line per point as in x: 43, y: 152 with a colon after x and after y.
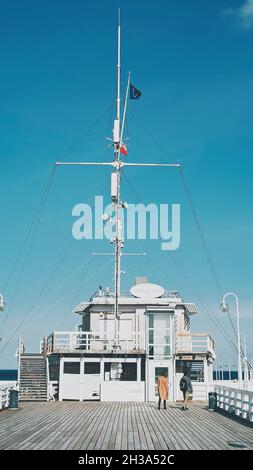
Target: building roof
x: 171, y: 302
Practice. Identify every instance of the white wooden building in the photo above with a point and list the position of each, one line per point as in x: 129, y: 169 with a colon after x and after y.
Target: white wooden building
x: 154, y: 337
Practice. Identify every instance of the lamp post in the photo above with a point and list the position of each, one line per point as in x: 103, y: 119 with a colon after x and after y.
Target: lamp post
x: 245, y: 363
x: 2, y: 303
x: 225, y: 308
x: 216, y: 370
x: 227, y: 365
x: 221, y: 371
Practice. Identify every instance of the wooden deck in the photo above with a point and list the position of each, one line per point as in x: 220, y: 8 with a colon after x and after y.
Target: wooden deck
x: 132, y: 425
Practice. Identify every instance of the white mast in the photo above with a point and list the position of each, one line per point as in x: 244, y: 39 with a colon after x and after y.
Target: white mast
x: 118, y: 70
x: 117, y: 164
x: 116, y: 201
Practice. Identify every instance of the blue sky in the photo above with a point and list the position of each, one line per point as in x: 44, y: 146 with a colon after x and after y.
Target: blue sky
x: 193, y: 63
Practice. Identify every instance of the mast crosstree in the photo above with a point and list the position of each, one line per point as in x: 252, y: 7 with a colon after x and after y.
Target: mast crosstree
x: 118, y: 133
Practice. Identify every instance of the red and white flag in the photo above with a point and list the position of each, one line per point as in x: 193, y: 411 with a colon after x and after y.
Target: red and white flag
x: 123, y: 149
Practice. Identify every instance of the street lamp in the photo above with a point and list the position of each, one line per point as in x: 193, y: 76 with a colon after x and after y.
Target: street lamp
x: 221, y: 371
x: 245, y: 363
x: 227, y: 365
x: 225, y: 308
x: 2, y: 303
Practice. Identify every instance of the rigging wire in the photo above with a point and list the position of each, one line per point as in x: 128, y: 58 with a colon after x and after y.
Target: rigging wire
x: 188, y: 194
x: 182, y: 271
x: 39, y: 296
x: 41, y: 204
x: 194, y: 213
x: 82, y: 280
x: 37, y: 217
x: 147, y: 261
x: 60, y: 157
x: 36, y: 223
x: 58, y: 265
x: 78, y: 287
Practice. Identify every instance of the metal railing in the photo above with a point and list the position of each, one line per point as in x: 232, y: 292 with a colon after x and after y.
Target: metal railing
x: 87, y: 341
x: 5, y: 396
x: 236, y: 402
x: 125, y: 293
x: 194, y: 343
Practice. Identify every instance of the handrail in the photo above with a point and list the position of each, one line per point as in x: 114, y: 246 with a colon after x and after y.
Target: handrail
x: 235, y: 401
x: 194, y: 342
x: 47, y: 378
x: 5, y: 396
x: 67, y: 341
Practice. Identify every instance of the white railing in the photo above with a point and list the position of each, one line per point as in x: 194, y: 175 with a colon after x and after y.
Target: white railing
x: 194, y: 343
x: 72, y: 341
x: 5, y: 396
x: 237, y: 402
x: 49, y: 390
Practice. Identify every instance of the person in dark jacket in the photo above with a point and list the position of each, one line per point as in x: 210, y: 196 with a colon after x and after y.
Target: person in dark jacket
x: 186, y: 388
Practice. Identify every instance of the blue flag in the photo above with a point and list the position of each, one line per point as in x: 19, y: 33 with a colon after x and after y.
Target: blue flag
x: 134, y: 93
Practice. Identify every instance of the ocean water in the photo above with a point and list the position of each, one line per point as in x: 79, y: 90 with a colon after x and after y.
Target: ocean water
x: 225, y: 375
x: 12, y: 374
x: 8, y: 374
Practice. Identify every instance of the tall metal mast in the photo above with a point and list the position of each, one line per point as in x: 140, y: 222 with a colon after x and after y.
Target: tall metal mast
x: 117, y: 164
x: 116, y: 202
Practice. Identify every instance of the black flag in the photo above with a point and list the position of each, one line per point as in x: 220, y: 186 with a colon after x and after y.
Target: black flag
x: 134, y: 93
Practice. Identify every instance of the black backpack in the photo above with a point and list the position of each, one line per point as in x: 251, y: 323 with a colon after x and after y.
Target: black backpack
x: 183, y: 385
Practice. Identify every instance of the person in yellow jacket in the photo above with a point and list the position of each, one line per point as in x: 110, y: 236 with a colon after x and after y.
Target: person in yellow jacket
x: 163, y: 389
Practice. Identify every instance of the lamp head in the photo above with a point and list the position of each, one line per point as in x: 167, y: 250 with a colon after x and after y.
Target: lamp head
x: 2, y: 303
x: 224, y: 307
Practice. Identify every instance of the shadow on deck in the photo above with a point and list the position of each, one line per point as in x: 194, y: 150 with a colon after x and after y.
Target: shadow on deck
x: 118, y: 425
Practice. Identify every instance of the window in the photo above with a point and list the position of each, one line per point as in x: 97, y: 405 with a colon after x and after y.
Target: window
x: 129, y: 371
x: 54, y: 367
x: 159, y: 335
x: 71, y: 368
x: 194, y: 368
x: 107, y: 328
x: 186, y: 322
x: 92, y: 367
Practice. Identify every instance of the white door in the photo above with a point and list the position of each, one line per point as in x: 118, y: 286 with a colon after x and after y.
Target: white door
x: 156, y: 368
x: 90, y: 388
x: 69, y: 387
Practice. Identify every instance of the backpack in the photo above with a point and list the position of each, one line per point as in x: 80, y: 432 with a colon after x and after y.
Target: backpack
x: 183, y: 385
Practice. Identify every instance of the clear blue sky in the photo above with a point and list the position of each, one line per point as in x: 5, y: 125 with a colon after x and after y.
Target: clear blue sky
x: 193, y: 63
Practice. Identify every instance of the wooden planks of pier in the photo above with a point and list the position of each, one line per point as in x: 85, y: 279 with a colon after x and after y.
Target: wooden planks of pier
x: 131, y: 425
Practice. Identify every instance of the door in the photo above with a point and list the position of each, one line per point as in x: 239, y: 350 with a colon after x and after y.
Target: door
x: 158, y: 372
x: 90, y: 380
x: 156, y: 368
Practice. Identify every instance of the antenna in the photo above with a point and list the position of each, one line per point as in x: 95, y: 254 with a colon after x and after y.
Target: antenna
x: 116, y: 178
x: 118, y: 131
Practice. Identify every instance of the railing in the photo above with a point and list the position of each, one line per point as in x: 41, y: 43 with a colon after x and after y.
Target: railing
x: 237, y: 402
x: 72, y: 341
x: 194, y: 343
x: 49, y: 391
x: 104, y: 293
x: 5, y: 396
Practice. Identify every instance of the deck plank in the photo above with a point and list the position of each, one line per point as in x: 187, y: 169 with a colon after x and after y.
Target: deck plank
x: 109, y: 425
